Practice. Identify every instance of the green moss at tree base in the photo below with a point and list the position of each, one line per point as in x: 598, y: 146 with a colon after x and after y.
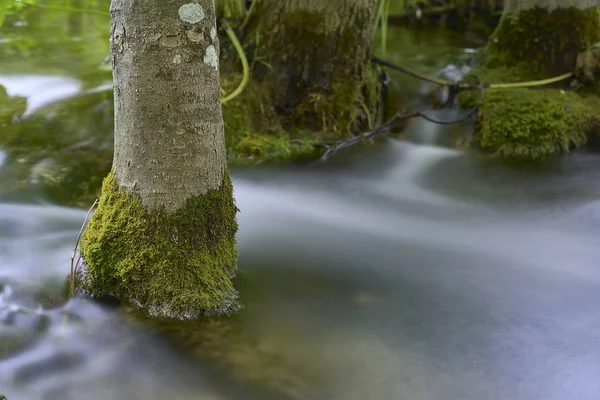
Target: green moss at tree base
x: 528, y: 123
x: 175, y: 265
x: 255, y: 133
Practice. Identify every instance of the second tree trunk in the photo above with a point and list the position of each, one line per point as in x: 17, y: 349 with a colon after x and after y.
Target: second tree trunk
x: 317, y: 62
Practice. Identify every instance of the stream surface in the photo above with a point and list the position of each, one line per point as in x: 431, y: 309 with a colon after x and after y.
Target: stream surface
x: 400, y: 270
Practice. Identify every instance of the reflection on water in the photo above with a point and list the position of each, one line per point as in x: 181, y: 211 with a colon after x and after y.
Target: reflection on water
x: 39, y: 90
x: 57, y: 137
x: 398, y: 270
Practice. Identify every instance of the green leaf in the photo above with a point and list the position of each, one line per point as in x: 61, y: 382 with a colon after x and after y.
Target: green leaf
x: 596, y: 45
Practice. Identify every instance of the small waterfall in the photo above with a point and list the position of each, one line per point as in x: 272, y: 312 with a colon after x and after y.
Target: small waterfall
x: 425, y: 132
x: 422, y: 131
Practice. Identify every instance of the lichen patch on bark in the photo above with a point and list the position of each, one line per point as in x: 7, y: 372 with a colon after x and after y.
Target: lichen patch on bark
x: 165, y: 109
x: 211, y: 58
x: 191, y: 13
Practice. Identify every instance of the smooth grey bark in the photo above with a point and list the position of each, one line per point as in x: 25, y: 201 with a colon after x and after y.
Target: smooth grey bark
x: 515, y: 6
x: 169, y: 138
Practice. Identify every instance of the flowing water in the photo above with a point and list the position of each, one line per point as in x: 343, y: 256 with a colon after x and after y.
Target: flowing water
x: 400, y: 270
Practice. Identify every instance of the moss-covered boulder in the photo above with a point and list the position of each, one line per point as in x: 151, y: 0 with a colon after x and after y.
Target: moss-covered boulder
x: 531, y: 122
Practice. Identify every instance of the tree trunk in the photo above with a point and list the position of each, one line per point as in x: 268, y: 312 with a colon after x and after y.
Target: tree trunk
x: 163, y: 236
x: 545, y: 34
x: 317, y: 65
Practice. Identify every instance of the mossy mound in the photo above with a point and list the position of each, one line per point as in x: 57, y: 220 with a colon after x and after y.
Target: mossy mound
x: 170, y: 265
x: 529, y: 123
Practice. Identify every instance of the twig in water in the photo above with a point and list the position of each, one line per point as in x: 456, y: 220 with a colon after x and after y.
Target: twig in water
x: 386, y: 127
x: 466, y: 86
x: 74, y: 264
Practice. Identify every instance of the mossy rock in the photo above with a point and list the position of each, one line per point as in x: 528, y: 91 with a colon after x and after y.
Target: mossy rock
x: 175, y: 265
x: 528, y: 123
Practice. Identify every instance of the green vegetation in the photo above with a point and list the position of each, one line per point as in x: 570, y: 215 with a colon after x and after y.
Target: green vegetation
x: 258, y: 129
x: 232, y: 9
x: 253, y: 132
x: 171, y: 265
x: 533, y: 123
x: 40, y: 39
x: 65, y: 149
x: 10, y: 108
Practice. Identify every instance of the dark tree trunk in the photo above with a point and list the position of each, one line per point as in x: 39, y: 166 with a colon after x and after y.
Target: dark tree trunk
x: 317, y: 62
x: 545, y: 34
